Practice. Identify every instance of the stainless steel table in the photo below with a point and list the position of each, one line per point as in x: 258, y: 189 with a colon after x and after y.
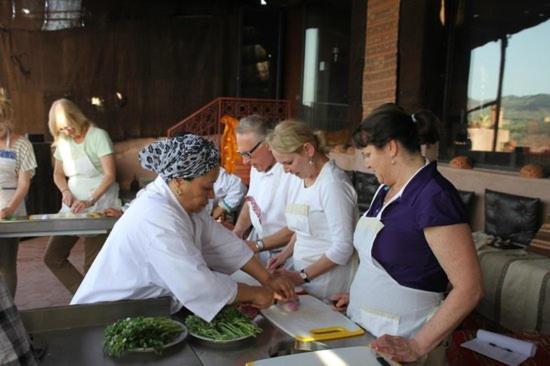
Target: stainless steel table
x: 49, y: 227
x: 74, y: 336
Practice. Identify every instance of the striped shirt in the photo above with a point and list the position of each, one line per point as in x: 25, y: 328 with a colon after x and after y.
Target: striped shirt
x: 25, y: 159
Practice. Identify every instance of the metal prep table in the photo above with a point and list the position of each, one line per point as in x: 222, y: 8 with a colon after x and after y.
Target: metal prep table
x: 50, y: 227
x: 74, y: 336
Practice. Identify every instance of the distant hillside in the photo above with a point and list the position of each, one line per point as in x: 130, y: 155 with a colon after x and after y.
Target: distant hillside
x: 527, y: 118
x: 529, y: 107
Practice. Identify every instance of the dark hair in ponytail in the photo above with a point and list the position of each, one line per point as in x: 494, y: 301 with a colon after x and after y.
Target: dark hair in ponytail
x: 391, y: 122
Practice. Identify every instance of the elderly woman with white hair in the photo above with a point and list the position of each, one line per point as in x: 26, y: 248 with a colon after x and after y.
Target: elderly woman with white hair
x: 166, y: 244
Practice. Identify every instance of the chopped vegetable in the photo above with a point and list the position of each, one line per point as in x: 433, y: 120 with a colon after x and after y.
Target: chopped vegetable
x: 229, y: 324
x: 140, y: 332
x: 289, y: 306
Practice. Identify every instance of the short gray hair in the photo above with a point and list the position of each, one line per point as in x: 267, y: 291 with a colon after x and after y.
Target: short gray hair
x: 256, y: 124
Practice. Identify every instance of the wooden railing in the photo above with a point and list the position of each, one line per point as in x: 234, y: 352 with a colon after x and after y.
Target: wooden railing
x: 206, y: 121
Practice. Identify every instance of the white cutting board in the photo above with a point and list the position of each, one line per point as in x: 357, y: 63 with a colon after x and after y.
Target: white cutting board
x: 313, y: 321
x: 348, y: 356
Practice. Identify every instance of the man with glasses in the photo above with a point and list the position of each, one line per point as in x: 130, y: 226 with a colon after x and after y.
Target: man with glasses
x: 270, y: 187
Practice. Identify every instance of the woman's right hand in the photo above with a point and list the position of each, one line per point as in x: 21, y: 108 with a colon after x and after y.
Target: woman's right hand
x: 340, y: 301
x: 67, y: 198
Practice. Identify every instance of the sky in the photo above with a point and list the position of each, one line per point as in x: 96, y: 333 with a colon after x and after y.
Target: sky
x: 527, y: 69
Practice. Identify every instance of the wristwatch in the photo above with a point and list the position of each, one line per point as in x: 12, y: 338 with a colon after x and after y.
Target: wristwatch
x: 304, y: 276
x: 260, y: 245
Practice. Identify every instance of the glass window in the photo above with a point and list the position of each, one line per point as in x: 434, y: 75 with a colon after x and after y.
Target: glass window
x: 499, y: 86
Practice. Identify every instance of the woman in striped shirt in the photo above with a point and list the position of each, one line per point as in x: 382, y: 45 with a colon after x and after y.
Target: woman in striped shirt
x: 17, y: 164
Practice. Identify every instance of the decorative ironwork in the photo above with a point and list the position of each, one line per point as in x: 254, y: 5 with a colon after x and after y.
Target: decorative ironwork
x: 206, y: 121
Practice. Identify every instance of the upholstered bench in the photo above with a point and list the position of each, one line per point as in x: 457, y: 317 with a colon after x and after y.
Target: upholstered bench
x: 517, y: 289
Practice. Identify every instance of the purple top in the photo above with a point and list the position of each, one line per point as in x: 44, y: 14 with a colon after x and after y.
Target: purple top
x: 401, y: 247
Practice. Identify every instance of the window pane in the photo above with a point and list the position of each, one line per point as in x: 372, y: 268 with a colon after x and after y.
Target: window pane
x: 482, y: 95
x: 525, y: 109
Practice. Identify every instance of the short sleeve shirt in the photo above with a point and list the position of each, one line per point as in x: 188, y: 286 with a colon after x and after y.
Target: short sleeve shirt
x: 428, y: 200
x: 96, y: 144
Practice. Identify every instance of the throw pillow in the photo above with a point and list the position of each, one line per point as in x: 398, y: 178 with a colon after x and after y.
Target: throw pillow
x: 511, y: 217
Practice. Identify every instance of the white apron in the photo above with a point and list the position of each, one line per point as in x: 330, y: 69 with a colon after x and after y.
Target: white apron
x: 309, y: 249
x: 378, y: 302
x: 9, y: 178
x: 83, y: 180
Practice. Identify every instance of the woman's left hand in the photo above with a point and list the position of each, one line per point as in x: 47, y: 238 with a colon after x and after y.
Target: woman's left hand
x: 78, y: 206
x: 398, y: 348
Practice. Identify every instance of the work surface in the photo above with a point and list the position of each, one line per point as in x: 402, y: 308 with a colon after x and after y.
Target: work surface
x: 55, y: 226
x: 74, y: 336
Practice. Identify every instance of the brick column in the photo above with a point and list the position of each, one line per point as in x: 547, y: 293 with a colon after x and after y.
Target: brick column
x: 381, y: 50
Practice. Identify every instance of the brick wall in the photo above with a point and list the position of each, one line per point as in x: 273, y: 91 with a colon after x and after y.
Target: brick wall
x: 381, y: 49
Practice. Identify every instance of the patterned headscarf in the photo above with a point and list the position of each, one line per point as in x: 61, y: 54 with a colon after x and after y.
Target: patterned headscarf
x: 186, y: 157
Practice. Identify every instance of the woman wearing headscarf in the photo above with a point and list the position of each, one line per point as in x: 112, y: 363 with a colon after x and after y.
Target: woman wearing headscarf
x: 166, y: 244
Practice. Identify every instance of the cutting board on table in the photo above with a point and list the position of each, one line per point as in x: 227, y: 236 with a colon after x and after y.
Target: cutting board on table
x: 313, y: 321
x: 348, y: 356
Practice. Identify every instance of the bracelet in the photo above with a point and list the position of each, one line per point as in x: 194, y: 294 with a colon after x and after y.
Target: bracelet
x: 260, y: 245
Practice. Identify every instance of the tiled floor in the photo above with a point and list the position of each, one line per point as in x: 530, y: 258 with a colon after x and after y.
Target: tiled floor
x: 36, y: 286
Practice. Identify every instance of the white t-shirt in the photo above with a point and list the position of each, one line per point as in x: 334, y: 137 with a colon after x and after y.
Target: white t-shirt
x: 157, y: 249
x: 267, y: 197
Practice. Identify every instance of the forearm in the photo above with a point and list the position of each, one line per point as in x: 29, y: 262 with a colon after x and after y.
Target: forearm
x: 60, y: 182
x: 245, y: 293
x: 278, y: 239
x: 320, y: 266
x: 458, y: 304
x: 103, y: 186
x: 243, y: 222
x: 255, y: 269
x: 23, y: 184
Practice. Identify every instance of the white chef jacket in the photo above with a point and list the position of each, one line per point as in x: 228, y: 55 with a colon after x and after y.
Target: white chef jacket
x: 157, y: 249
x: 271, y: 192
x: 229, y: 191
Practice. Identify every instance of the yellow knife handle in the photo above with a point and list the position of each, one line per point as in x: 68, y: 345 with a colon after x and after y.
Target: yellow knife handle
x: 324, y: 334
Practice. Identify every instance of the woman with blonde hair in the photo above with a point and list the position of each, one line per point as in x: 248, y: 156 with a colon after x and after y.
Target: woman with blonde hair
x: 322, y: 213
x: 17, y: 164
x: 84, y: 155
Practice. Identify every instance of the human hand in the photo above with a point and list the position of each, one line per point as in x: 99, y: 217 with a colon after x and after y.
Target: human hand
x: 67, y: 197
x: 5, y: 212
x: 282, y: 286
x: 339, y: 301
x: 218, y: 214
x: 275, y: 262
x: 78, y: 206
x: 263, y: 298
x: 291, y: 275
x: 112, y: 212
x: 399, y: 349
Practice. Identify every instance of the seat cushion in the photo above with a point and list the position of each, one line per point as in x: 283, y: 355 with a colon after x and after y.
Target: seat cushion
x: 511, y: 217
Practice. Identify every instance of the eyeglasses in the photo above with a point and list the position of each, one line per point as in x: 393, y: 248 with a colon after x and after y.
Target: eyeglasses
x: 66, y: 128
x: 248, y: 154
